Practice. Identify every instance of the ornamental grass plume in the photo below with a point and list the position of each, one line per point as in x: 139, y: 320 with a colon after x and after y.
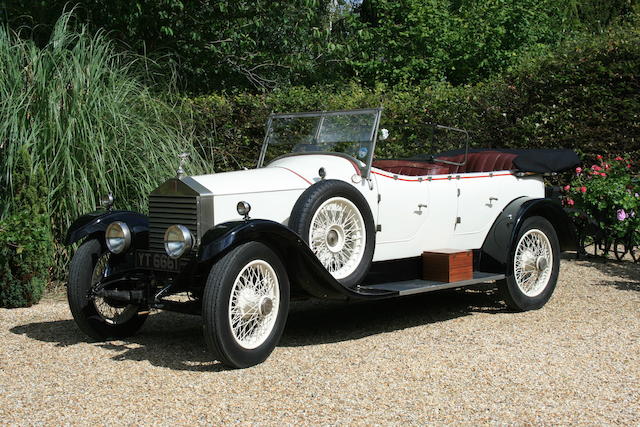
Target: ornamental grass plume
x: 85, y: 115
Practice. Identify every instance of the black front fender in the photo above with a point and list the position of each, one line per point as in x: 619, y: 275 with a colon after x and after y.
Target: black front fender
x: 500, y: 242
x: 306, y: 273
x: 97, y: 222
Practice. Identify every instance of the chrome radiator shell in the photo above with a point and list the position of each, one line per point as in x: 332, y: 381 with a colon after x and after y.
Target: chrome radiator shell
x: 179, y: 201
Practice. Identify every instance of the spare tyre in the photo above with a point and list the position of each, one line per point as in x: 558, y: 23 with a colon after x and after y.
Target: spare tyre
x: 335, y: 220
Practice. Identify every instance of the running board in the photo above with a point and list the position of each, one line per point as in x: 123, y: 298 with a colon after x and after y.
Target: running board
x: 410, y: 287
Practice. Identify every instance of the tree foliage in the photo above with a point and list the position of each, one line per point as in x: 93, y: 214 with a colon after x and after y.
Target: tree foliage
x: 261, y: 45
x: 583, y: 95
x: 214, y: 44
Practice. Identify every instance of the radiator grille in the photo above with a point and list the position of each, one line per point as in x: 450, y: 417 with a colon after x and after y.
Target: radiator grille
x: 165, y: 211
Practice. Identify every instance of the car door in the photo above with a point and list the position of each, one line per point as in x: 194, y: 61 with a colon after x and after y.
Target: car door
x: 479, y: 203
x: 402, y: 212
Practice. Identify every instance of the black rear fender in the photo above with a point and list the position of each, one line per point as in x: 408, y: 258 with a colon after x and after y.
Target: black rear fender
x: 497, y: 248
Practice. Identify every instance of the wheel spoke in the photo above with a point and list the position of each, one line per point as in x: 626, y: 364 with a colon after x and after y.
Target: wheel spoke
x: 256, y: 282
x: 337, y: 236
x: 109, y: 313
x: 533, y: 262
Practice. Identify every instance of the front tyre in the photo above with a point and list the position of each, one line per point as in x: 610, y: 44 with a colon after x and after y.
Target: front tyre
x: 96, y: 316
x: 535, y: 262
x: 245, y: 305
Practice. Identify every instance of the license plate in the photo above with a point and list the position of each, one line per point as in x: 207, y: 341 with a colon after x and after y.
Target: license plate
x: 157, y: 261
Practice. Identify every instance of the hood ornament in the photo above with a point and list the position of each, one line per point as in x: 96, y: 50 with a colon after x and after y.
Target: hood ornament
x: 183, y: 159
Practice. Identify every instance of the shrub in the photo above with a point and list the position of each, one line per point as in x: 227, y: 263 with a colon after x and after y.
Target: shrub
x: 25, y: 239
x: 609, y: 193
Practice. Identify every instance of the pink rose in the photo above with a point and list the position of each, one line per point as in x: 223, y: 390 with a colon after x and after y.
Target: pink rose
x: 599, y: 157
x: 603, y: 174
x: 621, y: 214
x: 567, y: 188
x: 583, y: 189
x: 596, y: 167
x: 570, y: 202
x: 618, y: 158
x: 578, y: 170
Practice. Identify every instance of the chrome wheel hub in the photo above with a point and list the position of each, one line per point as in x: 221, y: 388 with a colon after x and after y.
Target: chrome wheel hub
x: 265, y: 306
x: 541, y: 263
x: 335, y: 239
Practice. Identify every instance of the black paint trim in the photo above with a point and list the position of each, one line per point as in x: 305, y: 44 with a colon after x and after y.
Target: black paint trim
x: 306, y: 273
x: 500, y: 242
x: 97, y: 222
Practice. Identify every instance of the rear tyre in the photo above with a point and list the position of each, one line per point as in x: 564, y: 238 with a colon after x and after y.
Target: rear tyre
x: 534, y: 266
x: 96, y: 316
x: 335, y: 220
x: 245, y: 305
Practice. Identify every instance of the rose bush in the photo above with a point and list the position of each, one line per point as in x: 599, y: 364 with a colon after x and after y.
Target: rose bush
x: 607, y: 192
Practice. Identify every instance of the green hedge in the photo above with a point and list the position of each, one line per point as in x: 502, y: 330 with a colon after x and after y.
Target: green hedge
x: 26, y: 244
x: 583, y: 96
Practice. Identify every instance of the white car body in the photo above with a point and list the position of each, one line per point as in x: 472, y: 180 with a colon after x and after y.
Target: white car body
x: 412, y: 213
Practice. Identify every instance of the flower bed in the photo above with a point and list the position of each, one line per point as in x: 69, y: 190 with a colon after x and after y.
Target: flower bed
x: 605, y: 202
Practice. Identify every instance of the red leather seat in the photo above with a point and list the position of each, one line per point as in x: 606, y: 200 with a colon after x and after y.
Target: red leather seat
x: 484, y: 161
x: 411, y: 167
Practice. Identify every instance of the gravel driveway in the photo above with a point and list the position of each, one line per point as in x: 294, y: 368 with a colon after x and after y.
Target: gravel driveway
x: 452, y: 357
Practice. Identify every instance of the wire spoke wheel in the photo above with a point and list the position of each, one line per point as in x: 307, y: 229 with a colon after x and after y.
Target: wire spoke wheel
x: 337, y: 236
x: 111, y: 312
x: 533, y: 262
x: 254, y: 304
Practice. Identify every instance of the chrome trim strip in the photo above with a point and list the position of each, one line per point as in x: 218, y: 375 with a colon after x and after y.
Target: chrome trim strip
x: 324, y: 113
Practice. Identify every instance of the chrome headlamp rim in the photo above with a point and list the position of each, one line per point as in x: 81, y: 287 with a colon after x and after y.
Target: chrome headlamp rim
x: 117, y: 237
x: 243, y: 208
x: 177, y: 248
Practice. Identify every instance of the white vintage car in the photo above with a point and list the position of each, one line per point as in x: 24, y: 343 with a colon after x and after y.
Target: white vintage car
x: 320, y: 216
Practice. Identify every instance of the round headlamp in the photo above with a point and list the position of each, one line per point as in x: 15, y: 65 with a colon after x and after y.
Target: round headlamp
x: 243, y: 208
x: 177, y: 240
x: 117, y: 237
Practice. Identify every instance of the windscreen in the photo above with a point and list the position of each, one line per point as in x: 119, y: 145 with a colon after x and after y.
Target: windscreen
x: 349, y: 133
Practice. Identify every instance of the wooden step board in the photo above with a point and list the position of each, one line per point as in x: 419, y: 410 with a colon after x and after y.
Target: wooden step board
x: 410, y: 287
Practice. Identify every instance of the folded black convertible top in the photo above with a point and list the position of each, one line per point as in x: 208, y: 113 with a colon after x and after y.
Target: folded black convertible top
x: 533, y: 160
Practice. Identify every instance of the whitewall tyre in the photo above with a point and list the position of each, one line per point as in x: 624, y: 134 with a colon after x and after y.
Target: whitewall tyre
x: 533, y: 266
x: 334, y: 219
x: 245, y: 305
